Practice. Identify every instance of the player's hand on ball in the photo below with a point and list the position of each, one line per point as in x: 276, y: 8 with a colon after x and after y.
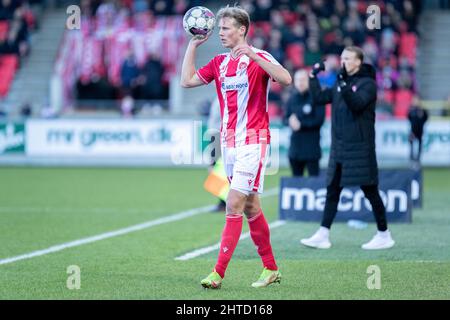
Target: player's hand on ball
x: 198, y: 40
x: 244, y: 49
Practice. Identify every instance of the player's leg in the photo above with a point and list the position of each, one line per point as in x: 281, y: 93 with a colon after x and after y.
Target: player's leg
x: 233, y: 223
x: 382, y: 239
x: 250, y: 170
x: 230, y: 238
x: 320, y: 239
x: 260, y: 234
x: 232, y: 229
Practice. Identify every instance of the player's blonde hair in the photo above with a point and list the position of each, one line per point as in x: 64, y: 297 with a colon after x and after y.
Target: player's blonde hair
x: 236, y: 12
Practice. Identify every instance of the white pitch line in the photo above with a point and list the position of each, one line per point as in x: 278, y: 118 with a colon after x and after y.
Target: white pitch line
x: 137, y: 227
x: 214, y: 247
x: 111, y: 234
x: 70, y: 210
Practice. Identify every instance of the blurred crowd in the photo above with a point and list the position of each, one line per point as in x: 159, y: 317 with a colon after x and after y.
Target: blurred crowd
x: 156, y: 7
x: 298, y: 34
x: 17, y: 19
x: 122, y: 52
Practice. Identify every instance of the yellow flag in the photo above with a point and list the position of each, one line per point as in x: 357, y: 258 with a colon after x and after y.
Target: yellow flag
x: 217, y: 183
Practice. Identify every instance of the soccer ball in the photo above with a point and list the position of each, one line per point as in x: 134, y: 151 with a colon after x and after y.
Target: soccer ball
x: 199, y: 21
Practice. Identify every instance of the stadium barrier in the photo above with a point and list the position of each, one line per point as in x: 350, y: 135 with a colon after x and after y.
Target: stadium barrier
x: 183, y: 142
x: 166, y: 140
x: 12, y: 138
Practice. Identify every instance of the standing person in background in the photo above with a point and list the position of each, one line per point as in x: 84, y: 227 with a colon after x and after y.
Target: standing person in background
x: 353, y: 159
x: 305, y: 120
x: 417, y: 117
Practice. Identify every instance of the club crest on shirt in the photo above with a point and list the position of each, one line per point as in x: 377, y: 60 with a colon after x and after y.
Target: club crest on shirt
x: 242, y: 65
x: 354, y: 88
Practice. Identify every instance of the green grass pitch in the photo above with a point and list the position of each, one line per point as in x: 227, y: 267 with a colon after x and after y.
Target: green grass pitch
x: 42, y: 207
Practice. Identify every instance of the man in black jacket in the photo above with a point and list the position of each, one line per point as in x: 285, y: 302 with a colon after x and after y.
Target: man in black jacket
x: 305, y: 121
x: 352, y: 157
x: 417, y: 116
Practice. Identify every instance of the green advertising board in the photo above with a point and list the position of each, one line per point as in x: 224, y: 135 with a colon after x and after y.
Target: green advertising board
x: 12, y: 138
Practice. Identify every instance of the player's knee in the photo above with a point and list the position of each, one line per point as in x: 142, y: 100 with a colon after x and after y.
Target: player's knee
x: 235, y: 204
x: 234, y: 208
x: 251, y: 209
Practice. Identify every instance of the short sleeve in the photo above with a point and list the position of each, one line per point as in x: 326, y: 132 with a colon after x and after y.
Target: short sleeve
x: 268, y: 57
x: 206, y: 73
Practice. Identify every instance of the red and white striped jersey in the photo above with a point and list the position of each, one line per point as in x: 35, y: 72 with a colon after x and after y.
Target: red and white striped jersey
x: 243, y: 89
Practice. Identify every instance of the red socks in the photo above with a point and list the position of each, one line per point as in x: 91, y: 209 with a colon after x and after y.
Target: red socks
x: 260, y: 233
x: 230, y: 237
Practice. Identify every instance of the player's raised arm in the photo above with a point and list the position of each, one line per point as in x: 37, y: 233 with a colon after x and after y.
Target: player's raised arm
x: 189, y: 78
x: 276, y: 71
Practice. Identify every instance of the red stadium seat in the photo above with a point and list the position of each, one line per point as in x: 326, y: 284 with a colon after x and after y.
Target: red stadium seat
x: 4, y: 27
x: 251, y: 31
x: 265, y: 26
x: 403, y: 99
x: 274, y: 110
x: 295, y: 53
x: 275, y: 87
x: 11, y: 61
x: 389, y: 96
x: 8, y: 67
x: 408, y: 46
x: 4, y: 86
x: 289, y: 17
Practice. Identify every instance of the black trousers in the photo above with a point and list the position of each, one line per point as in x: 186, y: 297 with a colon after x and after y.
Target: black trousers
x: 298, y: 167
x: 332, y: 201
x: 415, y: 149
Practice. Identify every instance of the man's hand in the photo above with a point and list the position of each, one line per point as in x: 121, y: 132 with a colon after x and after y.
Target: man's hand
x: 294, y: 123
x: 244, y: 49
x: 343, y: 76
x: 319, y: 66
x: 198, y: 40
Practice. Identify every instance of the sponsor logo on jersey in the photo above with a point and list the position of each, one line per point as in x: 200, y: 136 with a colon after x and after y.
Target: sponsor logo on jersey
x: 234, y: 86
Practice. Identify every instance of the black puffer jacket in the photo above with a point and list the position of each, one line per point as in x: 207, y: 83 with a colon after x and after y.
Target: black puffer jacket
x: 305, y: 143
x: 352, y: 127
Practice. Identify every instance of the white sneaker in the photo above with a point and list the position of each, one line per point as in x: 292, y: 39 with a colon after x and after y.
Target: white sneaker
x: 319, y: 240
x: 381, y: 240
